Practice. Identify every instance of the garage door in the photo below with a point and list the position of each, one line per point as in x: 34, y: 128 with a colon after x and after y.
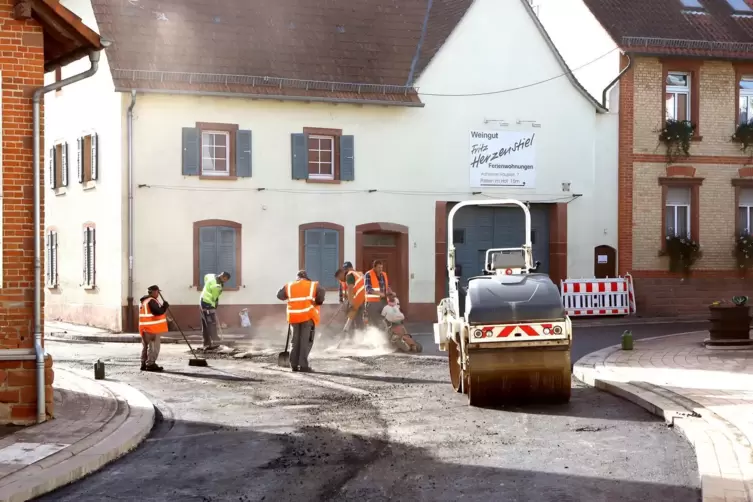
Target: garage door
x: 480, y: 228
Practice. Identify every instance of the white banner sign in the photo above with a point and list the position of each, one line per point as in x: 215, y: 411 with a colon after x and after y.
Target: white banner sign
x: 503, y: 159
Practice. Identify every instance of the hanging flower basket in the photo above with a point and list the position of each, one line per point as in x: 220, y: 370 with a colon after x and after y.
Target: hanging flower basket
x: 744, y: 253
x: 676, y: 136
x: 744, y: 137
x: 683, y: 253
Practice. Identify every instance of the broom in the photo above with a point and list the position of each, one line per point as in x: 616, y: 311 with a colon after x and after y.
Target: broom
x: 191, y: 362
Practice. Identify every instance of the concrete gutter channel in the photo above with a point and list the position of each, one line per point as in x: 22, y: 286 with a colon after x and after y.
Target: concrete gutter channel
x: 96, y: 437
x: 720, y: 446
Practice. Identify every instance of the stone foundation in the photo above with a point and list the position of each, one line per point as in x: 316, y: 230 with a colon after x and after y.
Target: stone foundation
x: 18, y: 391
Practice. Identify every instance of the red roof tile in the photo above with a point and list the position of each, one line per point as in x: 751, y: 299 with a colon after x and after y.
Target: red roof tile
x: 375, y: 45
x: 666, y: 27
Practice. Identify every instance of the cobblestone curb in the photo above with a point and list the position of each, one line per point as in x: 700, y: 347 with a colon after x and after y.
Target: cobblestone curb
x: 117, y: 419
x: 723, y: 452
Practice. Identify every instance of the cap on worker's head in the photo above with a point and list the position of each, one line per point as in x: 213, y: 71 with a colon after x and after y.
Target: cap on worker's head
x: 153, y: 289
x: 302, y: 274
x: 347, y: 264
x: 226, y: 274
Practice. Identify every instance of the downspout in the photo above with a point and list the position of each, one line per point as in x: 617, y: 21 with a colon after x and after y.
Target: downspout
x: 129, y: 299
x: 38, y: 349
x: 616, y: 79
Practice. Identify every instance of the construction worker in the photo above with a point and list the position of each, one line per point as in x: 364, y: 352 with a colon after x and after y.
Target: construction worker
x: 356, y: 295
x: 377, y: 286
x: 210, y: 297
x: 152, y: 324
x: 304, y: 298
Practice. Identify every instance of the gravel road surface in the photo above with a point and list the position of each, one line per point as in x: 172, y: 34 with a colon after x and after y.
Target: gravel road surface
x: 370, y: 426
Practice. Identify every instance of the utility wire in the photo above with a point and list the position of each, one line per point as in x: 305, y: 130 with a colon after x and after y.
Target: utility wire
x: 511, y: 89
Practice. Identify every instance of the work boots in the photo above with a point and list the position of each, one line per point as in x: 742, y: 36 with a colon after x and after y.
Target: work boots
x: 153, y: 368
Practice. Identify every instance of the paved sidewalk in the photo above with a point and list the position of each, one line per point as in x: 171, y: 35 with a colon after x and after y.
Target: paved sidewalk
x: 94, y: 424
x: 707, y: 394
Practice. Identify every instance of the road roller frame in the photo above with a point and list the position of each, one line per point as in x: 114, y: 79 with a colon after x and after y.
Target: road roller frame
x: 534, y: 354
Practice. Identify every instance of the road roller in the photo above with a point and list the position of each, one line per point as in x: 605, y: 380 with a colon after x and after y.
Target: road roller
x: 506, y: 332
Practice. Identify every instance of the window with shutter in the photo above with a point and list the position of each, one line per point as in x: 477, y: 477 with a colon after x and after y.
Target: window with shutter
x: 745, y: 212
x: 216, y: 151
x: 218, y: 249
x: 90, y: 258
x: 322, y: 155
x: 87, y: 161
x: 58, y: 166
x: 52, y: 259
x: 322, y: 249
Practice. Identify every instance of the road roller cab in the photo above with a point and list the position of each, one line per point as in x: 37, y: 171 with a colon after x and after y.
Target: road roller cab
x: 506, y: 333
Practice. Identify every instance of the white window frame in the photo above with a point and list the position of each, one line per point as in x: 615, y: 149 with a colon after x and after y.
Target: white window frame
x: 748, y: 223
x: 331, y: 139
x: 748, y: 95
x: 52, y: 257
x: 677, y: 90
x: 676, y: 217
x: 212, y: 172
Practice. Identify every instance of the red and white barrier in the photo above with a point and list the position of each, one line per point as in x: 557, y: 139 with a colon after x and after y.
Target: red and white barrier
x: 598, y: 297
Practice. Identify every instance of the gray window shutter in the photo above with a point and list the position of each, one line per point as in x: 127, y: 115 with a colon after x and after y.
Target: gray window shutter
x: 95, y: 157
x: 226, y: 254
x: 330, y: 258
x: 347, y: 158
x: 64, y: 167
x: 53, y: 180
x: 243, y: 154
x: 191, y: 153
x: 93, y: 256
x: 55, y: 258
x: 86, y: 257
x: 313, y: 240
x: 300, y: 156
x: 207, y: 253
x: 49, y: 259
x: 80, y: 160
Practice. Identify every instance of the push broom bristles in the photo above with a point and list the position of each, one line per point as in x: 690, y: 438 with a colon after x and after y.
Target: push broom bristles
x: 198, y: 362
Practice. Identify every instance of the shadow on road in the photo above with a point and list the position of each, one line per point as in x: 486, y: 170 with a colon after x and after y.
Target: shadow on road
x: 223, y: 375
x: 377, y: 378
x: 194, y: 461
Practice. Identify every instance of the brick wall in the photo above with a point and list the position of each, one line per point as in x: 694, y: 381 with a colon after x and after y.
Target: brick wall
x: 714, y: 158
x: 21, y: 64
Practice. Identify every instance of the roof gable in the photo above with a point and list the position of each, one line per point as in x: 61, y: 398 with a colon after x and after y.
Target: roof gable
x: 374, y: 47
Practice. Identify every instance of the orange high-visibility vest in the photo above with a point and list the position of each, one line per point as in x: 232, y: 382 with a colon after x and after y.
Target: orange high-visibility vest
x: 374, y: 297
x: 301, y: 306
x: 359, y: 289
x: 152, y: 324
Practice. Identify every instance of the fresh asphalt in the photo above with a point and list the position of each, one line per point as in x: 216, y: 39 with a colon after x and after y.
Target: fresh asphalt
x: 380, y: 428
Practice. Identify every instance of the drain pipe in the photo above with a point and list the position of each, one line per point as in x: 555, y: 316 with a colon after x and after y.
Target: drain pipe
x: 38, y: 349
x: 129, y: 298
x: 616, y: 79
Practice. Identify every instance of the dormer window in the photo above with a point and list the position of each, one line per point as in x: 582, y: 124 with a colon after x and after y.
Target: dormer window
x: 692, y: 4
x: 740, y: 6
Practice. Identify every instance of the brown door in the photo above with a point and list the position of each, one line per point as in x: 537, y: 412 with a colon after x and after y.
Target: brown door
x: 605, y: 262
x: 383, y: 246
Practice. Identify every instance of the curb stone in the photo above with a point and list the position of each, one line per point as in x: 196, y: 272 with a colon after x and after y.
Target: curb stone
x: 723, y: 452
x: 111, y: 441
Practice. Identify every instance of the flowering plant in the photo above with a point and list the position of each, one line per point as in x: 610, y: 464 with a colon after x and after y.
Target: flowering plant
x: 683, y: 252
x: 744, y: 136
x: 744, y: 252
x: 676, y: 136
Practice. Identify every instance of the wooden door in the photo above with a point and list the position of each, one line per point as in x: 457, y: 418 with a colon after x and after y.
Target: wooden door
x: 605, y: 262
x: 383, y: 246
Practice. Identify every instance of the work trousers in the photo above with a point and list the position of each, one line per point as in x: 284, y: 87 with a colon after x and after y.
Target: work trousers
x: 374, y: 312
x: 208, y: 325
x: 150, y: 344
x: 357, y: 318
x: 302, y: 341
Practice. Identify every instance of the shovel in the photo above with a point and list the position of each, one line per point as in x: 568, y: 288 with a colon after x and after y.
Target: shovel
x: 283, y: 358
x: 191, y: 362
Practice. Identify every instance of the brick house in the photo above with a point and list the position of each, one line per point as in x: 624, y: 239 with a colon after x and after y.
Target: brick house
x: 37, y: 36
x: 681, y: 62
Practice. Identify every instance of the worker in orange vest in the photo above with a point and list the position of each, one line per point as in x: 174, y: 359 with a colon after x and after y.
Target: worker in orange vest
x: 356, y: 295
x: 304, y: 298
x: 152, y: 324
x: 377, y: 286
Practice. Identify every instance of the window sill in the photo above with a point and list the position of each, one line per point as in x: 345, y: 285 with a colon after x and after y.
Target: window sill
x: 218, y: 178
x: 51, y: 287
x: 696, y: 138
x: 328, y: 182
x: 90, y: 288
x: 89, y: 185
x: 60, y: 191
